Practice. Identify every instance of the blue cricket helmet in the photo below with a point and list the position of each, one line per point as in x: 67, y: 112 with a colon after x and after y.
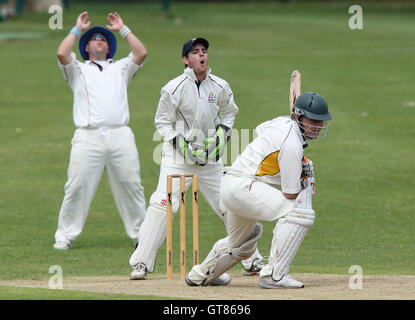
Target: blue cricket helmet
x: 112, y: 41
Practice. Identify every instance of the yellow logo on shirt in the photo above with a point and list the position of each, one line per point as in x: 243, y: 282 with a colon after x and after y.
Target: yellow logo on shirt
x: 269, y: 166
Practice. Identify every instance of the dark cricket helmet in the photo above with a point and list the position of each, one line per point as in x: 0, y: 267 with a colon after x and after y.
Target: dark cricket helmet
x: 313, y: 106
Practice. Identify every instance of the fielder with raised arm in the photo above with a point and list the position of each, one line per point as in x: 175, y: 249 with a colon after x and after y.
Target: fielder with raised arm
x: 102, y: 138
x: 269, y: 181
x: 195, y: 116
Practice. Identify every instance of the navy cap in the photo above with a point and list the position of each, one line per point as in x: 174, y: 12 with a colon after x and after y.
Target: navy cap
x: 112, y: 41
x: 189, y: 44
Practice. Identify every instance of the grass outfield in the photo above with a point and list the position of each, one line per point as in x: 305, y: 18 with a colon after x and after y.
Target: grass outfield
x: 365, y: 201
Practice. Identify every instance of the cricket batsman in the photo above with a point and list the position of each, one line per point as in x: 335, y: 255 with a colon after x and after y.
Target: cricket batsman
x: 270, y: 181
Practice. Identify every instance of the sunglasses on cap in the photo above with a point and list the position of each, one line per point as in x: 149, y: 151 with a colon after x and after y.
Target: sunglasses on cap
x: 98, y: 37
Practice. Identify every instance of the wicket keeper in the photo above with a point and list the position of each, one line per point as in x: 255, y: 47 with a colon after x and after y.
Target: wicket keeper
x: 195, y: 115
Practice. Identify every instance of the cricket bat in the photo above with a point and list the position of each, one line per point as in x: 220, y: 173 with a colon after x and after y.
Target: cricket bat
x: 295, y: 91
x: 295, y: 87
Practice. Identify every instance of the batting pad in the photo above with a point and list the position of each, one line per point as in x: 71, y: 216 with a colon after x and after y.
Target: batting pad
x: 289, y: 233
x: 222, y: 259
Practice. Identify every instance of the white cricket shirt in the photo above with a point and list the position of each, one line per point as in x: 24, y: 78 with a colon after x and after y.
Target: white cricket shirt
x: 275, y: 155
x: 194, y: 111
x: 100, y: 97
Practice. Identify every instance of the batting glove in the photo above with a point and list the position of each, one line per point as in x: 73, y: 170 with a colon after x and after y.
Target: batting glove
x: 308, y: 168
x: 307, y: 176
x: 307, y: 181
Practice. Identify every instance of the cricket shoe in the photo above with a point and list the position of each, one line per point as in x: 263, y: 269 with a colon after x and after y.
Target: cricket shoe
x: 285, y: 282
x: 253, y: 268
x: 223, y: 280
x: 62, y: 245
x: 139, y: 272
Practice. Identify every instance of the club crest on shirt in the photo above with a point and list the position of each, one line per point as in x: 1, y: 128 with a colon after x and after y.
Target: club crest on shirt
x: 212, y: 98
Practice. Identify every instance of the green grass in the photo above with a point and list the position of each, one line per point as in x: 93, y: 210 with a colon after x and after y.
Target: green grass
x: 365, y: 200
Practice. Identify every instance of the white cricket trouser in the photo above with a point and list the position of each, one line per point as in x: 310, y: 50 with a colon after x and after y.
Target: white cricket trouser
x: 249, y: 201
x: 153, y: 230
x: 94, y: 150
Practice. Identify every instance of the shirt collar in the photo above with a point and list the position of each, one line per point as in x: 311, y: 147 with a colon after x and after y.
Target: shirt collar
x: 191, y: 74
x: 99, y: 62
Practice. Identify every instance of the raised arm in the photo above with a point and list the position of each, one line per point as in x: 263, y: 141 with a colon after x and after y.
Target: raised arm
x: 66, y: 46
x: 138, y: 49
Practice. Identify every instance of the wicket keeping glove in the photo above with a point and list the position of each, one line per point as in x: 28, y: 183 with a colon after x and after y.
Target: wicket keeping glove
x: 189, y: 151
x: 215, y: 146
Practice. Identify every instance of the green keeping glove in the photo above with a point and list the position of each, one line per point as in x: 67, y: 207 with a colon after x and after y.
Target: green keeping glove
x: 189, y: 151
x: 215, y: 146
